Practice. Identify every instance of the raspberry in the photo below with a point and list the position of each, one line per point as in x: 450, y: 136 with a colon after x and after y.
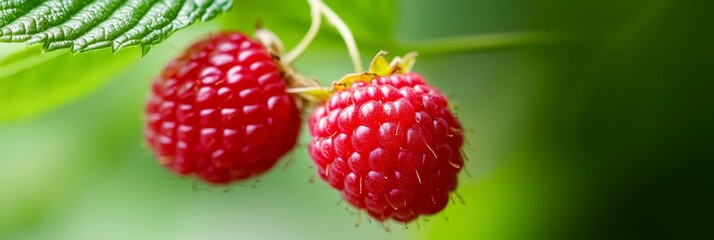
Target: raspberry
x: 220, y: 111
x: 390, y: 144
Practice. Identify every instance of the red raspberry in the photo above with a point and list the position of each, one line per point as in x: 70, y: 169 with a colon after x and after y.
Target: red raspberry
x: 390, y: 145
x: 220, y: 111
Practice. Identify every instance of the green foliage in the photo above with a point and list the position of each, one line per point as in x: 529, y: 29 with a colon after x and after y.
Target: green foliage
x: 86, y: 25
x: 32, y: 83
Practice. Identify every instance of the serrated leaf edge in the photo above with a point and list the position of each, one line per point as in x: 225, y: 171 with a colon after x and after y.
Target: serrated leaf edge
x: 101, y: 22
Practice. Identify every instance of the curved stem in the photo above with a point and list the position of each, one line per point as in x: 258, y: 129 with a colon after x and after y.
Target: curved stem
x: 479, y: 42
x: 315, y: 11
x: 313, y: 93
x: 346, y: 34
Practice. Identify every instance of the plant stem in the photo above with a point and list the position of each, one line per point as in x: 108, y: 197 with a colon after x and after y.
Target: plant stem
x: 479, y: 42
x: 315, y: 14
x: 346, y: 34
x: 307, y: 89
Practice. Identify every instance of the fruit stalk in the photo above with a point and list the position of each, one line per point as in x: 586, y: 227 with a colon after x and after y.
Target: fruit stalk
x: 315, y: 14
x: 478, y: 42
x: 317, y: 10
x: 345, y: 32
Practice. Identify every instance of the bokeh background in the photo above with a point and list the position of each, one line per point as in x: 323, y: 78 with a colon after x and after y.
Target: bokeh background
x: 601, y: 131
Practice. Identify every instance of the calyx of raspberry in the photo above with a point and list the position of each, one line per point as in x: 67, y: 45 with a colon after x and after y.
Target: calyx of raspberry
x: 291, y: 77
x: 378, y: 67
x: 271, y: 41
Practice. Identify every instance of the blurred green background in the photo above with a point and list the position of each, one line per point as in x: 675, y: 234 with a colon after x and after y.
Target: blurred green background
x: 604, y: 133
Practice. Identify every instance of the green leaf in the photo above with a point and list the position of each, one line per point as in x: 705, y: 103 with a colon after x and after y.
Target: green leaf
x: 32, y: 83
x: 86, y: 25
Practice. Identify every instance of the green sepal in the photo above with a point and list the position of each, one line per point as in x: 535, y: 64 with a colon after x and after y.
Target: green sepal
x: 378, y: 67
x: 349, y: 79
x: 379, y: 64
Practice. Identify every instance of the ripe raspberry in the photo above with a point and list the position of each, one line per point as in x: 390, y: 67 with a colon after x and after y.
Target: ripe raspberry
x: 389, y: 144
x: 220, y: 111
